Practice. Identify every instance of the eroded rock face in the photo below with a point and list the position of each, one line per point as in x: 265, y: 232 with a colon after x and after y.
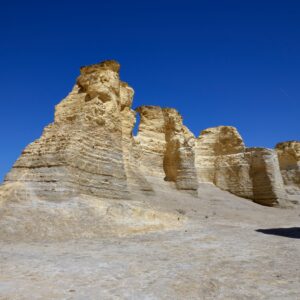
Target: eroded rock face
x: 289, y: 160
x: 179, y: 158
x: 166, y: 147
x: 90, y: 150
x: 214, y: 142
x: 267, y: 184
x: 253, y: 173
x: 136, y: 179
x: 151, y: 140
x: 82, y: 151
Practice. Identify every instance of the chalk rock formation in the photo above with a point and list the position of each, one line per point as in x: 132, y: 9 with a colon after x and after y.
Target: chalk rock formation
x: 166, y: 147
x: 214, y: 142
x: 253, y: 173
x: 89, y: 150
x: 81, y: 152
x: 136, y: 177
x: 289, y: 160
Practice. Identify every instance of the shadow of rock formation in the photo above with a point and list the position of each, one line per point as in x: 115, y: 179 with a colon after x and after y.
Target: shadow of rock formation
x: 292, y: 232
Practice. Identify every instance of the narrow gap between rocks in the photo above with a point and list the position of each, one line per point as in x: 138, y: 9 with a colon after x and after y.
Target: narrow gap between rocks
x: 137, y: 124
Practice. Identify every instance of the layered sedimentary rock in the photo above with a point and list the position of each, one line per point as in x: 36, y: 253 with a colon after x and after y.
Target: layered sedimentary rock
x: 151, y: 140
x: 90, y: 150
x: 166, y: 146
x: 289, y: 160
x: 253, y: 173
x: 23, y: 216
x: 179, y: 159
x: 82, y: 151
x: 136, y: 178
x: 214, y: 142
x: 267, y: 183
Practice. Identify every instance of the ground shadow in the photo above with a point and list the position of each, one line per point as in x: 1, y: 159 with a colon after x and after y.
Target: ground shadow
x: 292, y: 232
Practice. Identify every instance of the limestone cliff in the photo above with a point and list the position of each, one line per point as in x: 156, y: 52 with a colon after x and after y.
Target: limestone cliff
x: 166, y: 147
x: 136, y: 177
x: 90, y: 150
x: 81, y: 152
x: 253, y: 173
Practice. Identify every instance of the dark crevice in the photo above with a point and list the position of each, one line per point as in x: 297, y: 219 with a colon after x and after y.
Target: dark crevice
x: 171, y: 155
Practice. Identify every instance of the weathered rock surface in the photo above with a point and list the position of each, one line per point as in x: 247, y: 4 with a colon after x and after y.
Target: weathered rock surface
x: 214, y: 142
x: 81, y: 152
x: 253, y: 173
x: 90, y: 151
x: 136, y: 178
x: 29, y: 218
x: 289, y: 161
x: 88, y: 180
x: 222, y: 236
x: 267, y: 183
x: 166, y: 147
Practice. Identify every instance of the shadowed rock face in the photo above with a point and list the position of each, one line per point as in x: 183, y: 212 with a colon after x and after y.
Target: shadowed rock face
x: 90, y: 150
x: 267, y: 183
x: 166, y: 147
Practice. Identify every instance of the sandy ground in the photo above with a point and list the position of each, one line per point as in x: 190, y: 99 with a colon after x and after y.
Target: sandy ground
x: 228, y: 248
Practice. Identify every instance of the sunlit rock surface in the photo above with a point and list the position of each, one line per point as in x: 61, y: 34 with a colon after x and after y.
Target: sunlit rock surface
x: 90, y: 152
x: 92, y: 211
x: 253, y: 173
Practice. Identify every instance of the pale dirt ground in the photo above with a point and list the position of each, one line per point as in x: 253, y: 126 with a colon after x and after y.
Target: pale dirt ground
x: 215, y: 254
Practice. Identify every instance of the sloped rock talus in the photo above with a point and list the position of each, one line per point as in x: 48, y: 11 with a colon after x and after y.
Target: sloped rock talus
x: 90, y: 150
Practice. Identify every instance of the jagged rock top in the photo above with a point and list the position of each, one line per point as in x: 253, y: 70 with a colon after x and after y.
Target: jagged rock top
x: 290, y: 147
x: 225, y: 140
x: 111, y: 65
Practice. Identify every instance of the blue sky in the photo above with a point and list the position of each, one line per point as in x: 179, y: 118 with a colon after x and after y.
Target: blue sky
x: 218, y: 62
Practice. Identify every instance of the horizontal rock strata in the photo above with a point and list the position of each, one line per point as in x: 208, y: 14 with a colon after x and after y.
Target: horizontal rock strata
x: 253, y: 173
x: 166, y: 147
x: 81, y: 152
x: 90, y: 149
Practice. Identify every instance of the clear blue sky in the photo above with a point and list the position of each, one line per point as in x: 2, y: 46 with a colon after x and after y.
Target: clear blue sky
x: 218, y: 62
